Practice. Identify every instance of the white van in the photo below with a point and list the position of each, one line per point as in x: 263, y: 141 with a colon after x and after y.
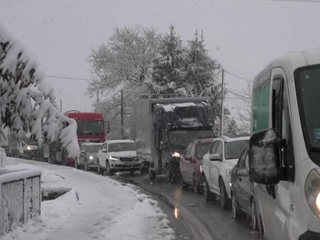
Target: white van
x: 284, y: 154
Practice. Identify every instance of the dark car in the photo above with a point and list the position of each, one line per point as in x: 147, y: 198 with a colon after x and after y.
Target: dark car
x: 242, y: 191
x: 191, y: 162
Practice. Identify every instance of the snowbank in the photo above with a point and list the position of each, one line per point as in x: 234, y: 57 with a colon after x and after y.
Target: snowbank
x: 97, y: 207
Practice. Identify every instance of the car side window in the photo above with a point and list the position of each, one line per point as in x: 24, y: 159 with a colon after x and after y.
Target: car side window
x: 213, y: 147
x: 241, y: 160
x: 219, y: 149
x: 193, y: 150
x: 247, y: 161
x: 188, y: 149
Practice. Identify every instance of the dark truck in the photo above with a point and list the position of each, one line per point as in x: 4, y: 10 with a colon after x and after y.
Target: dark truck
x: 165, y: 127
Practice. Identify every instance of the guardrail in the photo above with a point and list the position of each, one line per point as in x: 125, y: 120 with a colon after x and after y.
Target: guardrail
x: 20, y: 197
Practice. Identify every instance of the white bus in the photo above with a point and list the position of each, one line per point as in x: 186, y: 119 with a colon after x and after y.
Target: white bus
x: 285, y: 147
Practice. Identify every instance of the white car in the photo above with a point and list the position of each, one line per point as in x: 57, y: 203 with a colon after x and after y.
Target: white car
x: 217, y: 164
x: 118, y: 156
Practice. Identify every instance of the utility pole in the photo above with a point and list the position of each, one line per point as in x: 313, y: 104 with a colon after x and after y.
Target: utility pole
x: 222, y: 108
x: 61, y: 105
x: 122, y: 130
x: 98, y: 102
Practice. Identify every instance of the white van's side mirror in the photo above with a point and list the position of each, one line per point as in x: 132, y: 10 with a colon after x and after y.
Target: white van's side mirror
x: 264, y: 158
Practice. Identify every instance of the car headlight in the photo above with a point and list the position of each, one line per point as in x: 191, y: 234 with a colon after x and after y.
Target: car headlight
x: 229, y: 173
x: 312, y: 191
x: 176, y: 154
x: 91, y: 158
x: 136, y: 159
x: 28, y: 148
x: 114, y: 158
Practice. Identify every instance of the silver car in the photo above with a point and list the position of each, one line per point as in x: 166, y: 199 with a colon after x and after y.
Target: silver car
x: 88, y: 155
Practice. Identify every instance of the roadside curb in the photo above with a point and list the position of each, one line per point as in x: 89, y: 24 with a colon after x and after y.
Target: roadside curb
x: 157, y: 194
x: 203, y: 233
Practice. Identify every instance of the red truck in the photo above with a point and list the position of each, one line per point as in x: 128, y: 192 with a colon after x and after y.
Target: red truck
x: 91, y: 128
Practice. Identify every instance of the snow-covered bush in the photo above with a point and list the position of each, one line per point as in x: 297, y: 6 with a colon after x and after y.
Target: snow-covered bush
x: 27, y: 103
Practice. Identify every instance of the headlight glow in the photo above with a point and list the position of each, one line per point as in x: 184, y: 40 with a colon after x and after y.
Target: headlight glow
x: 28, y: 148
x: 114, y: 158
x: 312, y: 191
x: 230, y: 184
x: 176, y: 154
x: 91, y: 158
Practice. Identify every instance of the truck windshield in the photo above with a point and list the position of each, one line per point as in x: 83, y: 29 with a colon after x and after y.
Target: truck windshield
x: 122, y: 146
x: 90, y: 127
x: 183, y: 138
x: 308, y: 87
x: 234, y: 149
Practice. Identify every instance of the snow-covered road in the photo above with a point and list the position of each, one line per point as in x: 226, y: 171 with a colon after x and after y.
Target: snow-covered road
x: 96, y: 208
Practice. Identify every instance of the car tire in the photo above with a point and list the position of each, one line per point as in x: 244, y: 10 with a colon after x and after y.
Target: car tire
x: 224, y: 200
x: 184, y: 186
x: 254, y: 218
x: 152, y: 175
x: 236, y: 213
x: 86, y: 167
x: 206, y: 190
x: 197, y: 187
x: 109, y: 171
x: 169, y: 176
x: 99, y: 170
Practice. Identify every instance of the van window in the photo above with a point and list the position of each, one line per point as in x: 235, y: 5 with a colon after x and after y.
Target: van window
x: 261, y: 108
x: 308, y: 89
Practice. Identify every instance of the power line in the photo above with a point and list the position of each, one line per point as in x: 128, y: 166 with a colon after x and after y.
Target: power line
x: 70, y: 78
x: 236, y: 76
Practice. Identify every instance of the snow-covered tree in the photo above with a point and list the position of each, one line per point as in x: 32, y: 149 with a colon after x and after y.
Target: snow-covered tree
x: 125, y: 63
x: 27, y: 103
x: 202, y: 70
x: 169, y: 66
x: 230, y: 127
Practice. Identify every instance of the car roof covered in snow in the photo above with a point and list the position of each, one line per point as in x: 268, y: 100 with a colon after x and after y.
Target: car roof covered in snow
x: 92, y: 144
x: 120, y: 141
x: 169, y: 107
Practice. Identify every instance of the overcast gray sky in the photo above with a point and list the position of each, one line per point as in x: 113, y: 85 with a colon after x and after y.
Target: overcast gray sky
x: 244, y: 35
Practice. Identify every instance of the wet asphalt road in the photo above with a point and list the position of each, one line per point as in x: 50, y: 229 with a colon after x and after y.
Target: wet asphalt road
x: 206, y: 220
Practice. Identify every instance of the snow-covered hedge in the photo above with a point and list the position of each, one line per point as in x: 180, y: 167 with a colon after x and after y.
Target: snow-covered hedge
x: 20, y: 197
x: 27, y: 103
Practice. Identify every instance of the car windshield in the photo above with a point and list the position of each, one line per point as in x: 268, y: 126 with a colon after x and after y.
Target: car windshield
x: 93, y: 148
x: 183, y: 138
x: 87, y: 127
x: 122, y: 147
x: 234, y: 149
x: 202, y: 149
x: 308, y: 88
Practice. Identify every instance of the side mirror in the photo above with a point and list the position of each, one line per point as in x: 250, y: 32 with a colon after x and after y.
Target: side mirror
x: 83, y: 151
x: 104, y: 150
x: 188, y: 158
x: 215, y: 157
x: 107, y: 126
x: 241, y: 172
x: 264, y: 158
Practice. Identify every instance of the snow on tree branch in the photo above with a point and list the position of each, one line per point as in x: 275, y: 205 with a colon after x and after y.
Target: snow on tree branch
x: 27, y: 103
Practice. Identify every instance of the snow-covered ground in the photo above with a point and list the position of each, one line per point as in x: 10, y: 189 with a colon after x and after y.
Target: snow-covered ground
x: 96, y: 208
